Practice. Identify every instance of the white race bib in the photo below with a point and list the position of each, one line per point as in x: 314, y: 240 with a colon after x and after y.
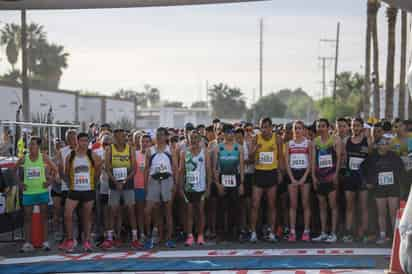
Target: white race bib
x: 355, y: 162
x: 298, y: 161
x: 120, y: 173
x: 193, y: 178
x: 161, y: 168
x: 385, y: 178
x: 82, y: 181
x: 266, y: 158
x: 229, y: 180
x: 325, y: 161
x: 33, y: 173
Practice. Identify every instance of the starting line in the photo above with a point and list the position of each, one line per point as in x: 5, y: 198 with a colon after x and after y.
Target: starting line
x: 182, y: 254
x: 314, y: 271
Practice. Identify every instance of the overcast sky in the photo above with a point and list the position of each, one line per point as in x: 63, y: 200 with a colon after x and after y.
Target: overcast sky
x: 178, y: 49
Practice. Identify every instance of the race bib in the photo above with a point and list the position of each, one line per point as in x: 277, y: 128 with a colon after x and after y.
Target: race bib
x: 229, y: 180
x: 193, y: 178
x: 120, y: 173
x: 355, y: 162
x: 162, y: 168
x: 298, y: 161
x: 33, y: 173
x: 142, y: 166
x: 266, y: 158
x: 325, y: 161
x: 407, y: 161
x: 82, y: 181
x: 385, y: 178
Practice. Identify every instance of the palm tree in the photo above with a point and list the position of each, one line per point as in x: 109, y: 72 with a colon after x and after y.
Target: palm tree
x: 36, y: 38
x: 402, y: 83
x: 366, y: 97
x: 391, y: 14
x: 10, y: 37
x: 374, y: 6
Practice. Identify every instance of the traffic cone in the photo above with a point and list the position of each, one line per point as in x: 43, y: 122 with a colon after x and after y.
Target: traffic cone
x: 395, y: 265
x: 36, y: 228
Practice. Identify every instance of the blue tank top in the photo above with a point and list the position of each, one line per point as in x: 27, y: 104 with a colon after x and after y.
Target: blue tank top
x: 228, y: 160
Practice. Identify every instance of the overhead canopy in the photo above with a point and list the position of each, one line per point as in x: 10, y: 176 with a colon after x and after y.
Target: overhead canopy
x: 102, y: 4
x: 403, y: 4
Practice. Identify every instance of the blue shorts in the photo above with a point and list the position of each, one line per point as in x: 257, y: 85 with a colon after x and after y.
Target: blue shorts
x: 139, y: 195
x: 35, y: 199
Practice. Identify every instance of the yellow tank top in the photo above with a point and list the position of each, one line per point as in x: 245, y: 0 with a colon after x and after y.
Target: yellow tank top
x: 121, y: 163
x: 267, y: 154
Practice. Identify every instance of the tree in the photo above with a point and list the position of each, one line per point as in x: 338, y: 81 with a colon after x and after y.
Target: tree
x: 10, y: 37
x: 140, y: 97
x: 267, y: 106
x: 402, y: 82
x: 375, y: 5
x: 391, y: 14
x: 12, y: 77
x: 173, y: 104
x: 367, y: 91
x: 299, y: 104
x: 227, y: 102
x: 199, y: 104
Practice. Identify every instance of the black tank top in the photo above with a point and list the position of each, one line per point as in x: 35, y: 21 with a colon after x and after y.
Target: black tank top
x: 356, y: 154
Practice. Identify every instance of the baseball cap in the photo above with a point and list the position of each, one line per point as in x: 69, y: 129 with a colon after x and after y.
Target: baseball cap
x: 189, y: 126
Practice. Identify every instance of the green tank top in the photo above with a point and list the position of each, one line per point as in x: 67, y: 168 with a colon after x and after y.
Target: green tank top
x: 229, y: 161
x: 34, y: 175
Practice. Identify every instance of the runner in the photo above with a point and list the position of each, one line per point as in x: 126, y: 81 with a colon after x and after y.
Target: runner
x: 357, y: 148
x: 325, y: 162
x: 160, y: 169
x: 195, y: 177
x: 120, y: 167
x: 402, y: 146
x: 298, y: 155
x: 385, y: 172
x: 212, y: 200
x: 57, y: 196
x: 82, y: 167
x: 229, y: 176
x: 35, y: 189
x: 139, y: 183
x: 287, y: 135
x: 267, y: 148
x: 245, y: 139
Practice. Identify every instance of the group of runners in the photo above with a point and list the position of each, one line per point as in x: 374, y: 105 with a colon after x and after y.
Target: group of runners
x: 237, y: 182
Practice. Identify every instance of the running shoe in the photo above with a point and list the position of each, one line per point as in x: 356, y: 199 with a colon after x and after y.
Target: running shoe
x: 200, y: 240
x: 46, y: 246
x: 253, y: 237
x: 87, y: 246
x: 108, y: 244
x: 331, y: 238
x: 292, y: 237
x: 68, y: 246
x: 170, y: 244
x: 306, y: 237
x: 321, y: 238
x: 381, y: 240
x: 190, y: 240
x: 347, y: 239
x: 272, y: 238
x: 27, y: 247
x: 136, y: 244
x: 149, y: 244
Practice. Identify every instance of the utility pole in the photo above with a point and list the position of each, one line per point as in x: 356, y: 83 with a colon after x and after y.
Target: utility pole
x: 261, y: 59
x: 323, y: 60
x: 336, y: 58
x: 25, y: 82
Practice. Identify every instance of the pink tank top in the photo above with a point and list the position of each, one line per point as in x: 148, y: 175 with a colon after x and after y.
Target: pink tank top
x: 139, y: 175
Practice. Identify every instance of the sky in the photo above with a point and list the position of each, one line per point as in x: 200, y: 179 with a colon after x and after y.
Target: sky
x: 181, y: 49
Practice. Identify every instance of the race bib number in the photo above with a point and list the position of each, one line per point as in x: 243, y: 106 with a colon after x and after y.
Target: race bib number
x: 120, y: 173
x: 298, y: 161
x: 325, y: 161
x: 162, y: 168
x: 385, y: 178
x: 193, y: 178
x: 33, y: 173
x: 407, y: 161
x: 229, y: 180
x: 355, y: 162
x: 82, y: 181
x: 266, y: 158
